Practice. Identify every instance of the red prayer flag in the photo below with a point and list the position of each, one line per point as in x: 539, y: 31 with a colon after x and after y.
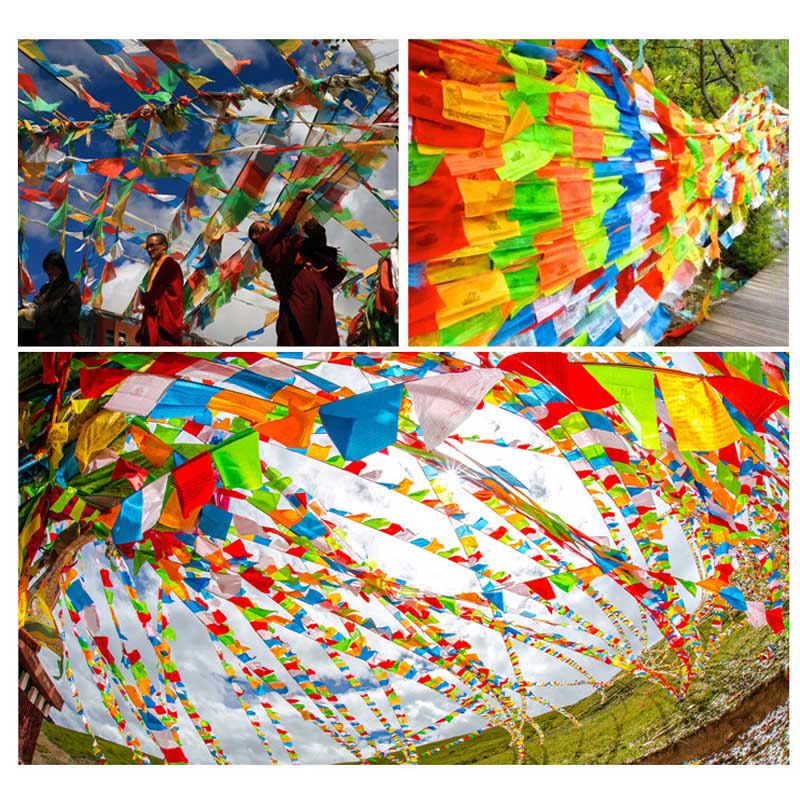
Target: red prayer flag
x: 754, y: 401
x: 542, y: 587
x: 572, y: 380
x: 110, y: 167
x: 96, y: 382
x: 775, y: 619
x: 25, y: 82
x: 194, y: 481
x: 136, y: 476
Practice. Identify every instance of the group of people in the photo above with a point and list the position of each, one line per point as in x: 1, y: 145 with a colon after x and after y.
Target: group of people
x: 303, y: 267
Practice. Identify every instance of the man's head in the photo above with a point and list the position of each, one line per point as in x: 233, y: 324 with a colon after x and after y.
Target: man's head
x: 156, y: 246
x: 314, y: 232
x: 257, y: 230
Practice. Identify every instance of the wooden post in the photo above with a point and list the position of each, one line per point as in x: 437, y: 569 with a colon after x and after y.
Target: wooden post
x: 37, y: 695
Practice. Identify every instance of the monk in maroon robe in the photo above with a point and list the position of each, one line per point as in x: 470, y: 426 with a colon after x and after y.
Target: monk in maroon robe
x: 304, y: 272
x: 162, y: 320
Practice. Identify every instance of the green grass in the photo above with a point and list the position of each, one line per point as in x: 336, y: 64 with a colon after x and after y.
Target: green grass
x: 636, y: 717
x: 78, y: 746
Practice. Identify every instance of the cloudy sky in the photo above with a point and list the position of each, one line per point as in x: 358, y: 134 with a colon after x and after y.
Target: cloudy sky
x: 267, y: 71
x: 547, y: 478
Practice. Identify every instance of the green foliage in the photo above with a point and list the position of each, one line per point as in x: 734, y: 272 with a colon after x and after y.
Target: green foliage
x: 78, y: 746
x: 755, y: 248
x: 730, y: 67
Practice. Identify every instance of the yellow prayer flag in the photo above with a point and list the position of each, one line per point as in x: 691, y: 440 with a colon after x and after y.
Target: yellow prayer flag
x: 490, y: 228
x: 697, y: 413
x: 97, y: 434
x: 318, y: 452
x: 470, y: 296
x: 483, y: 197
x: 479, y: 106
x: 253, y: 409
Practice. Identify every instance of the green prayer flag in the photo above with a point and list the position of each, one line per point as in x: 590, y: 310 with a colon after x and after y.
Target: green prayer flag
x: 565, y: 581
x: 239, y: 462
x: 56, y: 222
x: 522, y: 158
x: 237, y: 205
x: 421, y: 167
x: 264, y: 500
x: 634, y: 389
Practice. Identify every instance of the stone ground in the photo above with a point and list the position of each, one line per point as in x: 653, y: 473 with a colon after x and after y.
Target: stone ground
x: 766, y: 742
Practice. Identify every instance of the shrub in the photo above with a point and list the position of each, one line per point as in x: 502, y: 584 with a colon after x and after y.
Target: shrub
x: 759, y: 243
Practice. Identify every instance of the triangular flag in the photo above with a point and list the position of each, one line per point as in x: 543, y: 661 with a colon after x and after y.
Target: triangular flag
x: 571, y: 379
x: 364, y: 423
x: 698, y: 416
x: 635, y: 391
x: 443, y: 402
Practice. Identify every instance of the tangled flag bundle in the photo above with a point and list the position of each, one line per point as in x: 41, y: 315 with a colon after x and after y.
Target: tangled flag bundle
x: 554, y: 194
x: 360, y: 533
x: 199, y: 155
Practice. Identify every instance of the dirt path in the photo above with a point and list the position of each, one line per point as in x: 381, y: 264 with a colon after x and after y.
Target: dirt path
x: 49, y: 753
x: 721, y: 734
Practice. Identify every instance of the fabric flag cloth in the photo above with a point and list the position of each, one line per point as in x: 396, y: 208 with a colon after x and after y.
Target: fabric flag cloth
x: 697, y: 413
x: 364, y: 423
x: 754, y: 401
x: 634, y: 390
x: 194, y: 482
x: 393, y: 537
x: 128, y: 527
x: 137, y: 394
x: 214, y: 522
x: 171, y: 147
x: 537, y: 170
x: 573, y: 380
x: 443, y: 402
x: 238, y: 462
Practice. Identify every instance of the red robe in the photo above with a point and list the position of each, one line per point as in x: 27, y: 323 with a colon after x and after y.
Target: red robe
x: 305, y: 316
x: 162, y: 320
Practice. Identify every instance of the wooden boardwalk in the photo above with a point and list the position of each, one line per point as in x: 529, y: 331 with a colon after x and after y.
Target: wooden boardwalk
x: 757, y: 315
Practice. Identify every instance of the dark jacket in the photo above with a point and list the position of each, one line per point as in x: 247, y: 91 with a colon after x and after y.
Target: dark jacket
x: 58, y: 309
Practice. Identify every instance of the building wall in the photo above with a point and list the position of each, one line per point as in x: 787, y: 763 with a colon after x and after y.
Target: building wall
x: 30, y: 723
x: 112, y: 332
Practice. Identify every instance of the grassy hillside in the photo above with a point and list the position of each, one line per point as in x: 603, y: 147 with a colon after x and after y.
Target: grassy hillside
x: 635, y: 719
x: 57, y: 745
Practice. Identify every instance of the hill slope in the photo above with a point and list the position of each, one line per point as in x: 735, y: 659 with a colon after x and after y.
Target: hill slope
x: 637, y: 720
x: 58, y: 745
x: 722, y: 720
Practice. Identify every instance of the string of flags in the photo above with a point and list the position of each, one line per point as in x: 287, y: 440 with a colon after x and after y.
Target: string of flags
x: 195, y: 163
x: 556, y: 196
x: 353, y: 531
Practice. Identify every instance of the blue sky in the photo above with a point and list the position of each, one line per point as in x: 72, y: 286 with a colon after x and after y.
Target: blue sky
x: 267, y: 71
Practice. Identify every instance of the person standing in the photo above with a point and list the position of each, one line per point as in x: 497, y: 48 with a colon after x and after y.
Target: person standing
x: 56, y: 309
x: 162, y: 297
x: 304, y: 271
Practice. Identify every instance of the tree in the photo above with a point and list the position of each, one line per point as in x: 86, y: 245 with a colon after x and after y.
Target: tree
x: 704, y: 76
